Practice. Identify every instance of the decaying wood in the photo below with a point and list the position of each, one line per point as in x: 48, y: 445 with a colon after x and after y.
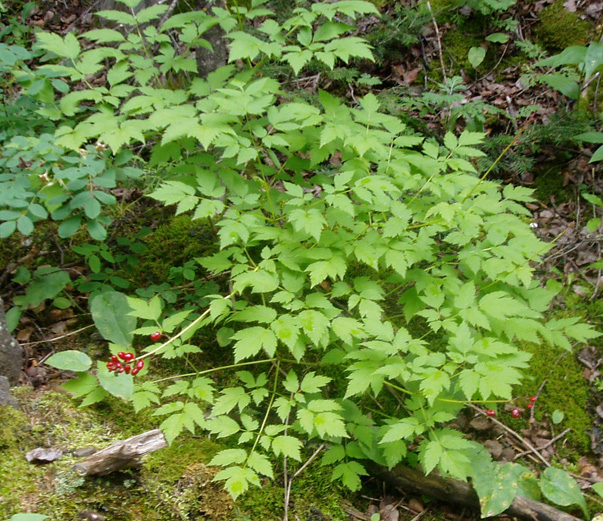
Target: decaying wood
x: 461, y: 493
x: 122, y: 454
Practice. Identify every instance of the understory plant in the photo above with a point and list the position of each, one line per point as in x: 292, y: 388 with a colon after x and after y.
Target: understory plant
x: 374, y: 282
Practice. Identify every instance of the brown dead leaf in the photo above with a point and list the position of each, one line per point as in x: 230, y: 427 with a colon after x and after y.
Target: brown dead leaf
x: 588, y: 470
x: 411, y: 75
x: 24, y: 334
x: 388, y: 509
x: 416, y: 505
x: 60, y: 314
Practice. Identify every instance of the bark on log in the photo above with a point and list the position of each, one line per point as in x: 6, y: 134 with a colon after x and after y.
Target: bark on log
x: 461, y: 493
x: 11, y: 356
x: 122, y: 454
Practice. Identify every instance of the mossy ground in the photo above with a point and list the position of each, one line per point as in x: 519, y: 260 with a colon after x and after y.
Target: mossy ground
x: 173, y: 483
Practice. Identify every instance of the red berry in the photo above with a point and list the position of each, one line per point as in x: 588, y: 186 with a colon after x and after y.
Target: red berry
x: 114, y: 358
x: 156, y: 336
x: 121, y: 369
x: 135, y: 371
x: 127, y: 369
x: 128, y: 357
x: 121, y: 355
x: 530, y: 405
x: 533, y: 399
x: 140, y: 364
x: 516, y: 413
x: 110, y: 366
x: 491, y: 412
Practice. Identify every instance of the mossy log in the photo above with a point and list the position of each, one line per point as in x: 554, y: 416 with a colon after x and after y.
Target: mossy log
x: 461, y: 493
x: 122, y: 454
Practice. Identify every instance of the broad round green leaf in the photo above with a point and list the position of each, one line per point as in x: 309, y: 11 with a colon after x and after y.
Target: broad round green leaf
x: 560, y: 488
x: 70, y: 361
x: 110, y: 314
x: 476, y: 56
x: 28, y: 517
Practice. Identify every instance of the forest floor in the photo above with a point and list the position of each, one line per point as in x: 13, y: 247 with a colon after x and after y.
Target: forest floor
x: 565, y: 424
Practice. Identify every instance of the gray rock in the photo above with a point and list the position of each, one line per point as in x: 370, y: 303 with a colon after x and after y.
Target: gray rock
x: 11, y: 356
x: 41, y: 455
x: 5, y: 397
x: 84, y: 452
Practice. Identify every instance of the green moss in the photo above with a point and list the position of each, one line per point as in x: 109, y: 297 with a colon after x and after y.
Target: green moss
x: 173, y: 244
x: 13, y: 426
x: 559, y: 28
x: 565, y: 389
x: 313, y: 497
x: 549, y: 187
x: 171, y: 463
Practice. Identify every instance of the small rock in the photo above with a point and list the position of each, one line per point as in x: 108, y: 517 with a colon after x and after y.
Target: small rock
x: 89, y: 515
x: 41, y: 455
x: 480, y: 423
x: 495, y: 448
x: 84, y: 452
x: 508, y: 454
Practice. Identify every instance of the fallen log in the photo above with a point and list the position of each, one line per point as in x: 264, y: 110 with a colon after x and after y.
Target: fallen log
x: 123, y: 454
x: 461, y: 493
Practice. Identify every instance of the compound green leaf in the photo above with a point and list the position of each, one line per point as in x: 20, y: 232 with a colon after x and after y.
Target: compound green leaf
x: 287, y: 446
x: 261, y: 464
x: 252, y: 340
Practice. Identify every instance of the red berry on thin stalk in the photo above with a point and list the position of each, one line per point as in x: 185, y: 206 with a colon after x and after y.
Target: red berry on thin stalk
x: 516, y: 413
x: 127, y: 369
x: 121, y: 355
x: 533, y: 399
x: 530, y: 405
x: 128, y: 357
x: 121, y: 369
x: 156, y: 336
x: 135, y: 371
x: 114, y: 359
x: 491, y: 412
x: 140, y: 364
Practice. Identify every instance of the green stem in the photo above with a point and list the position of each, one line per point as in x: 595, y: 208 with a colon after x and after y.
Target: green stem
x: 215, y: 369
x: 265, y: 420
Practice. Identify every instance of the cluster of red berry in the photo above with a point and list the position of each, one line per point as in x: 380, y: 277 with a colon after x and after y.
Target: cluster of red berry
x: 515, y: 412
x: 126, y: 366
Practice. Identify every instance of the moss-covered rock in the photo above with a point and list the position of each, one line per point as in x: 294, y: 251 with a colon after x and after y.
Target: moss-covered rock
x: 559, y: 28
